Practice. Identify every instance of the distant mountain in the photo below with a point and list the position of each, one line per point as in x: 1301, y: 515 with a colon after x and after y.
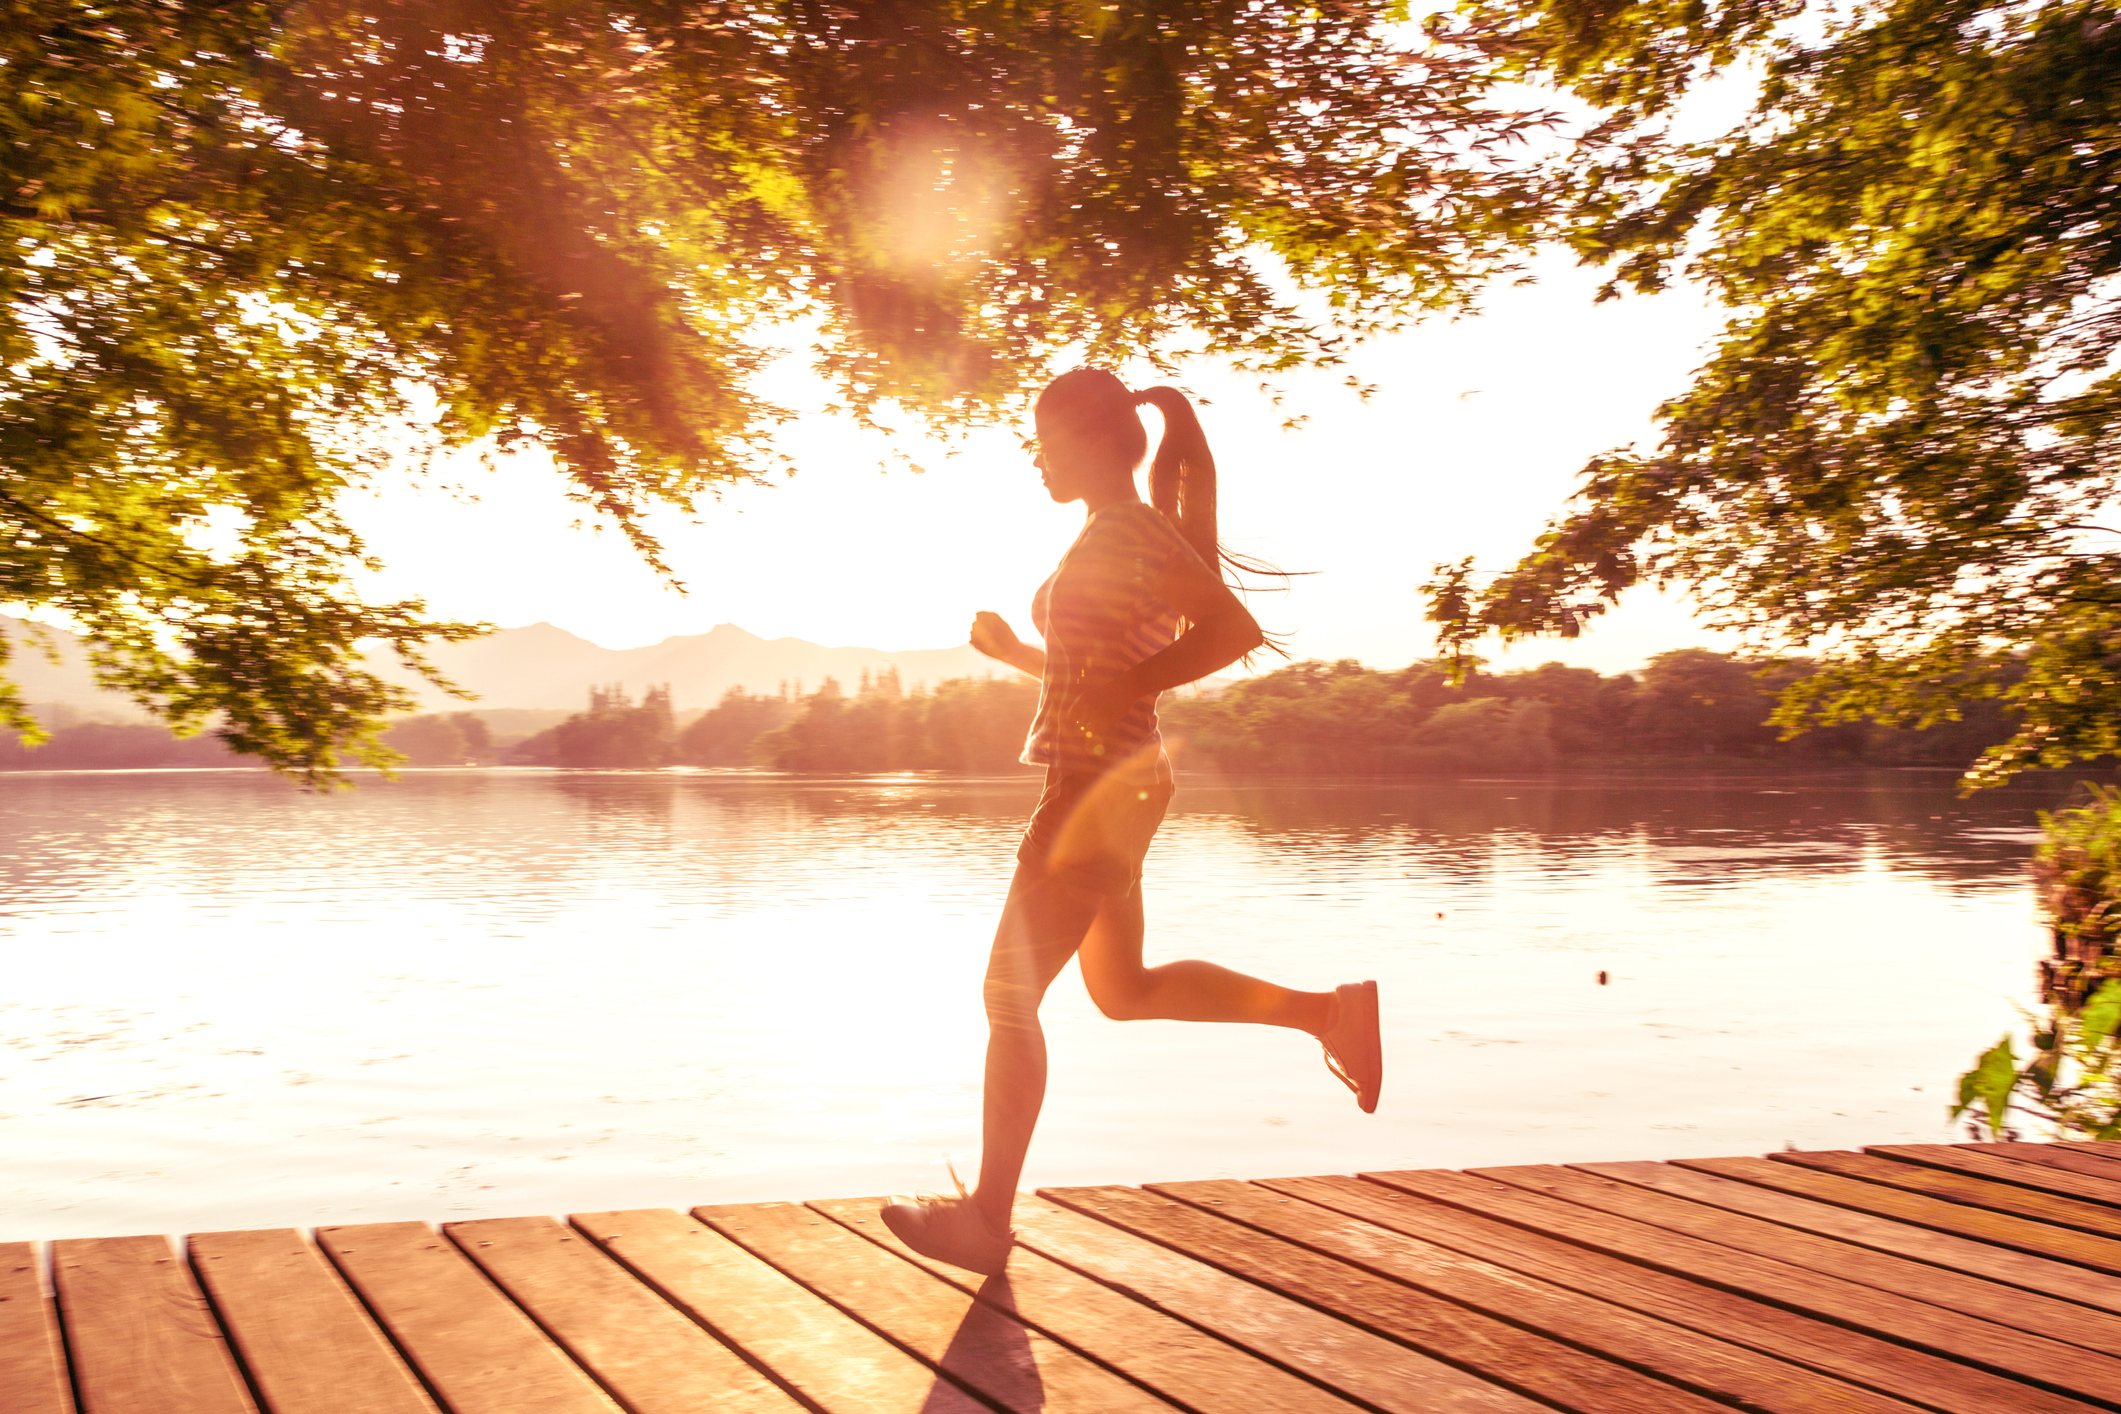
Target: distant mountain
x: 540, y: 666
x: 544, y: 668
x: 547, y: 667
x: 66, y: 683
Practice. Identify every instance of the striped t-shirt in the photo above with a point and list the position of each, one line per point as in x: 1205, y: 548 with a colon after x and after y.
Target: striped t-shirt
x: 1100, y: 615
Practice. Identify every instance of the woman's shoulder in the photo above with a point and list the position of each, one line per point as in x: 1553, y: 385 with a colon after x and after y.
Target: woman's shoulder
x: 1138, y: 523
x: 1145, y: 533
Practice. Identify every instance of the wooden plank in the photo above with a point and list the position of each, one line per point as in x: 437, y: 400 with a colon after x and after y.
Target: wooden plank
x: 648, y: 1355
x: 33, y: 1376
x: 1830, y: 1280
x: 1363, y: 1224
x: 1365, y: 1367
x: 1201, y: 1221
x: 141, y: 1336
x: 2019, y: 1234
x: 825, y: 1359
x: 2004, y: 1168
x: 2028, y: 1278
x: 981, y: 1347
x: 2063, y: 1156
x: 2092, y: 1148
x: 308, y: 1345
x: 1961, y: 1188
x: 475, y: 1349
x: 1187, y: 1366
x: 1854, y: 1356
x: 1537, y: 1198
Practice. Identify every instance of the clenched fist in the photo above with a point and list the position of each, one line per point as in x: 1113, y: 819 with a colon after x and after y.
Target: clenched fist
x: 992, y: 636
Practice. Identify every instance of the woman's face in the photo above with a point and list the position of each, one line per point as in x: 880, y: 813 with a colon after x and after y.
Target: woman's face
x: 1067, y: 466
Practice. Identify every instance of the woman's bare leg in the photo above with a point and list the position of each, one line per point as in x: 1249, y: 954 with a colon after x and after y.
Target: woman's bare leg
x: 1043, y: 923
x: 1124, y: 990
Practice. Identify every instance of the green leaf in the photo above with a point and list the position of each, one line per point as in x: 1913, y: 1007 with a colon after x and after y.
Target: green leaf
x: 1990, y: 1084
x: 2101, y: 1016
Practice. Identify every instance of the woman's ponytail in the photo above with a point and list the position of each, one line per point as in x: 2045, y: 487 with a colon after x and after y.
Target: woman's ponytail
x: 1182, y: 486
x: 1182, y: 478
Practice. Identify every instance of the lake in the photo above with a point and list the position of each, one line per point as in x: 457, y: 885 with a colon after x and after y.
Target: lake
x: 231, y: 1004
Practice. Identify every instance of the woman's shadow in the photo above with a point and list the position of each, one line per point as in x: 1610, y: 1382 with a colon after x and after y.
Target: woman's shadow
x: 991, y: 1352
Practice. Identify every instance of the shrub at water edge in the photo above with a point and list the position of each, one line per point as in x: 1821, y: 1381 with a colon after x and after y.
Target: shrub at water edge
x: 2072, y: 1081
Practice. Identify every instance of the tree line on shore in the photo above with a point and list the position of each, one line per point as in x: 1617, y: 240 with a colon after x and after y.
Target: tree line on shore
x: 1310, y: 718
x: 1690, y: 704
x: 966, y: 724
x: 433, y: 739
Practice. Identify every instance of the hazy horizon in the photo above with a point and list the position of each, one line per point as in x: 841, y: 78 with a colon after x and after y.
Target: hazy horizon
x: 748, y: 659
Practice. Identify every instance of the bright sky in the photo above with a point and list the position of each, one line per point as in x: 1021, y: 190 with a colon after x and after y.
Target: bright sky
x: 1471, y: 443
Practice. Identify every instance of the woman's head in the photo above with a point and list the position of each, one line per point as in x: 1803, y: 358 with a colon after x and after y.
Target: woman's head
x: 1089, y: 435
x: 1091, y: 440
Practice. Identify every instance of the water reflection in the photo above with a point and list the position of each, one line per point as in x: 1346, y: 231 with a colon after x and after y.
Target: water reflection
x: 619, y: 800
x: 231, y: 1004
x: 1911, y: 820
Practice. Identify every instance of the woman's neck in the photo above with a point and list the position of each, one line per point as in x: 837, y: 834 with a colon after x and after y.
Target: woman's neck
x: 1111, y: 495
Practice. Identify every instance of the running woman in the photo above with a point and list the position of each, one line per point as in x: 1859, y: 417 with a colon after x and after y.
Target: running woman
x: 1111, y: 618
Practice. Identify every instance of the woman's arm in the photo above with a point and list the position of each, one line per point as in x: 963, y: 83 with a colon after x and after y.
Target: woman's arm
x: 992, y: 636
x: 1221, y: 630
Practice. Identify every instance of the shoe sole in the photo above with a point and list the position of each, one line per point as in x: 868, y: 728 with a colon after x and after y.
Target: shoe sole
x: 989, y: 1267
x: 1367, y: 993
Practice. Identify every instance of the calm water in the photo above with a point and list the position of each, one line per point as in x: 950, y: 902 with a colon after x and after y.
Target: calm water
x: 230, y: 1005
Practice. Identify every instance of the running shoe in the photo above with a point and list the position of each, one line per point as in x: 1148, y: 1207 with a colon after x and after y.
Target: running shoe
x: 950, y: 1230
x: 1354, y: 1053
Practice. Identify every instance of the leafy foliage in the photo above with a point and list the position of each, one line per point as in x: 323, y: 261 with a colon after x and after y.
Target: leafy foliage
x: 1310, y: 718
x: 254, y: 251
x: 1345, y: 719
x: 101, y: 746
x: 963, y: 724
x: 724, y: 733
x: 1317, y: 718
x: 2078, y: 870
x: 441, y: 739
x: 974, y: 725
x: 2071, y: 1082
x: 615, y: 733
x: 1901, y: 457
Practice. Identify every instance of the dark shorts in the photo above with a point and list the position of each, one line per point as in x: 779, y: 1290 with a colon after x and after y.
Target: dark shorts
x: 1092, y: 831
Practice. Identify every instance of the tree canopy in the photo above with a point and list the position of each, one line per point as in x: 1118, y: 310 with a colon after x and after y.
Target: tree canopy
x: 1900, y: 456
x: 254, y: 251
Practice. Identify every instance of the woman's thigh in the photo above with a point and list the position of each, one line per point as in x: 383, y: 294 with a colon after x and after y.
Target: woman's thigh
x: 1110, y: 954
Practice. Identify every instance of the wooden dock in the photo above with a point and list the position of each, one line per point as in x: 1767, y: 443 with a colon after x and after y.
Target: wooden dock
x: 1968, y: 1279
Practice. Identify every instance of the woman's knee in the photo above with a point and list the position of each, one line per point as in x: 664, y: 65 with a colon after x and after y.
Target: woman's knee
x: 1010, y: 1001
x: 1122, y: 998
